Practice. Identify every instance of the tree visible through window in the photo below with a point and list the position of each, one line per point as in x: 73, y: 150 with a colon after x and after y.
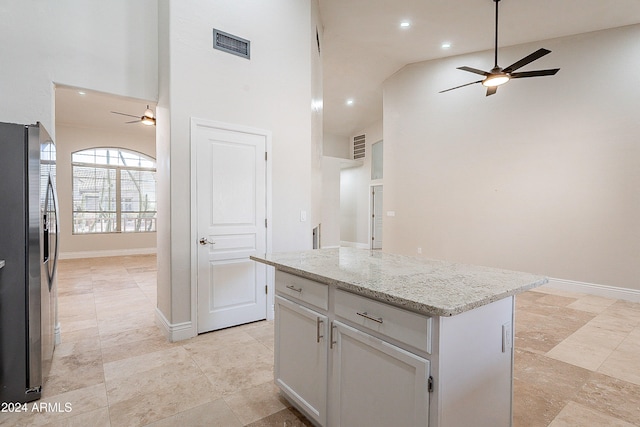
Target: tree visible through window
x: 114, y: 190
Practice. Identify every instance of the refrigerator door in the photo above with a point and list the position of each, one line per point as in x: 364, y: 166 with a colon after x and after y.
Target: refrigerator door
x: 34, y: 262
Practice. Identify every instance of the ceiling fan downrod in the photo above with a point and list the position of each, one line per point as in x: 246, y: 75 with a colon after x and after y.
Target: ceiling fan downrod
x: 495, y: 55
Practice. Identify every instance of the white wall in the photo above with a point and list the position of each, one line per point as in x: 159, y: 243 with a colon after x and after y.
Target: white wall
x: 69, y: 140
x: 336, y: 146
x: 544, y: 176
x: 355, y: 193
x: 105, y: 46
x: 272, y: 91
x: 330, y: 202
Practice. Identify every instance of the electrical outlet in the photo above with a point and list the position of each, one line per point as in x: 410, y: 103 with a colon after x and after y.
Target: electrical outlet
x: 507, y: 337
x: 303, y: 216
x: 419, y: 251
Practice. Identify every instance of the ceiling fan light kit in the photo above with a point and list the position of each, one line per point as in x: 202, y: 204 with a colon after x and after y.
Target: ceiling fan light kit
x: 499, y: 76
x: 148, y: 118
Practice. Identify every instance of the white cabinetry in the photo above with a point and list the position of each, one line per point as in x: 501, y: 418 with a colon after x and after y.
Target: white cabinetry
x: 375, y: 383
x: 348, y: 360
x: 301, y: 352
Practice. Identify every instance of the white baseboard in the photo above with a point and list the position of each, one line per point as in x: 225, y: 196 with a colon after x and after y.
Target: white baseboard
x: 614, y: 292
x: 176, y: 331
x: 109, y: 253
x: 354, y: 245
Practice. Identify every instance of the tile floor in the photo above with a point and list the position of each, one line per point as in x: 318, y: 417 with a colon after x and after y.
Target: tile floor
x: 577, y: 360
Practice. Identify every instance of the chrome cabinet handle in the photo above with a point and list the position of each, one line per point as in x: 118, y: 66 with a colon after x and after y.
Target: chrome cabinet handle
x: 331, y: 341
x: 367, y: 316
x: 293, y: 288
x: 318, y: 323
x: 204, y: 241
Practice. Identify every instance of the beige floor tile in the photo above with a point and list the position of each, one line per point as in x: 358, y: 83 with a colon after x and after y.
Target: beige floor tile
x: 541, y: 327
x: 57, y: 409
x: 235, y: 367
x: 97, y: 418
x: 575, y: 415
x: 289, y: 417
x: 624, y: 361
x: 75, y: 365
x: 136, y: 348
x: 588, y: 347
x: 253, y: 404
x: 126, y: 322
x: 542, y: 387
x: 211, y: 414
x: 592, y: 303
x: 611, y: 396
x: 150, y: 387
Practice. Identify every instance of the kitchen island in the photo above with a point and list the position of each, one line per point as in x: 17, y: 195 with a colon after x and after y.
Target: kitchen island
x: 377, y: 339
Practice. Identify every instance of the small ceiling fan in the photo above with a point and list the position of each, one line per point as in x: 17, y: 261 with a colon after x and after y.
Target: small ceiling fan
x: 148, y: 118
x: 499, y: 76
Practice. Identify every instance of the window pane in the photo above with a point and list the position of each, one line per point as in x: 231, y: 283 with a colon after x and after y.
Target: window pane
x: 94, y: 199
x: 94, y: 222
x: 138, y: 221
x: 138, y: 200
x: 376, y: 160
x: 98, y: 199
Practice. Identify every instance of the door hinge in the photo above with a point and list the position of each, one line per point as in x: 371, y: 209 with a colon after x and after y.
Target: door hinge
x: 430, y: 382
x: 265, y: 156
x: 265, y: 223
x: 266, y: 289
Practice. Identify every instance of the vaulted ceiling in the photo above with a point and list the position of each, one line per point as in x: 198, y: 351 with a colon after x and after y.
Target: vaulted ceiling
x: 364, y: 44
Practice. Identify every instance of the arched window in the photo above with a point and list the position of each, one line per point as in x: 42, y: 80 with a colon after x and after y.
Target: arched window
x: 114, y: 191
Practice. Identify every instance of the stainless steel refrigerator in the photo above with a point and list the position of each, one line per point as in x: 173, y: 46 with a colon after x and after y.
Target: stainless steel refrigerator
x: 29, y: 246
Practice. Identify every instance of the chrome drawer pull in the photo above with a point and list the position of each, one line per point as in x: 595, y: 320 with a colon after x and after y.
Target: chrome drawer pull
x: 331, y: 340
x: 318, y: 323
x: 366, y: 316
x: 293, y: 288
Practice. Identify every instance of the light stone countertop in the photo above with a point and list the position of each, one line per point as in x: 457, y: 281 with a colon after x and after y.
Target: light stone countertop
x: 435, y: 288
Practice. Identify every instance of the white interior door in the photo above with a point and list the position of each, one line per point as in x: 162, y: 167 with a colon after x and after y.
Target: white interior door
x: 376, y: 217
x: 231, y: 226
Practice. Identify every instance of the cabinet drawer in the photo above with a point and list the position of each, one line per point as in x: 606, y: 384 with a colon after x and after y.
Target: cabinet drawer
x: 303, y: 289
x: 402, y: 325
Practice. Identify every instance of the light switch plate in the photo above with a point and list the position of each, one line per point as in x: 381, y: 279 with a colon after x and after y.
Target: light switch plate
x: 303, y: 216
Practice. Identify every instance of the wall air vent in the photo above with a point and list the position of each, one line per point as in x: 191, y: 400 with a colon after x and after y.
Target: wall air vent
x: 358, y: 147
x: 231, y: 44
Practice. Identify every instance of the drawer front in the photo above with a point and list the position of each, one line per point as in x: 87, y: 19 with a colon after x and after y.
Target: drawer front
x: 303, y: 289
x: 402, y: 325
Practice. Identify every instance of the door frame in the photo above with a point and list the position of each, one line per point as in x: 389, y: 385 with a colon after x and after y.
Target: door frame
x: 197, y: 123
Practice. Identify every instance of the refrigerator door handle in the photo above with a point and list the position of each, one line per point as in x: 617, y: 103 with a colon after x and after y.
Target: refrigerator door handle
x: 57, y: 233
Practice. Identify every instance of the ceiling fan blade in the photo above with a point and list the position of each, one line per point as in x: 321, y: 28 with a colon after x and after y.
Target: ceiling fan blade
x: 132, y: 121
x: 124, y: 114
x: 491, y: 90
x: 526, y: 60
x: 458, y: 87
x: 537, y: 73
x: 474, y: 70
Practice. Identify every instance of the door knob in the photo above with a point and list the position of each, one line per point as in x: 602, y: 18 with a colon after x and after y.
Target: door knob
x: 204, y: 241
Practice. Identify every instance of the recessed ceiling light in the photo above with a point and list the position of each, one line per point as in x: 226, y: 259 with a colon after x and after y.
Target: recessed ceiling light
x: 405, y: 24
x: 82, y: 93
x: 445, y: 45
x: 350, y: 101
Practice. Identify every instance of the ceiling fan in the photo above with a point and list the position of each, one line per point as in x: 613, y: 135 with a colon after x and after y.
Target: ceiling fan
x: 148, y: 118
x: 499, y: 76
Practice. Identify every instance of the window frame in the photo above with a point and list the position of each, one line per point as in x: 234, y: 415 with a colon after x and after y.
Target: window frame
x: 119, y: 169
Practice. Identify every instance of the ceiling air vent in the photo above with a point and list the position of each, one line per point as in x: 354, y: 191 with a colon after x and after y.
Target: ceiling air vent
x: 358, y: 147
x: 231, y: 44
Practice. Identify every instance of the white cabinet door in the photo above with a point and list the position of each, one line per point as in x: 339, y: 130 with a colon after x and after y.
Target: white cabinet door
x: 301, y: 357
x: 374, y: 383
